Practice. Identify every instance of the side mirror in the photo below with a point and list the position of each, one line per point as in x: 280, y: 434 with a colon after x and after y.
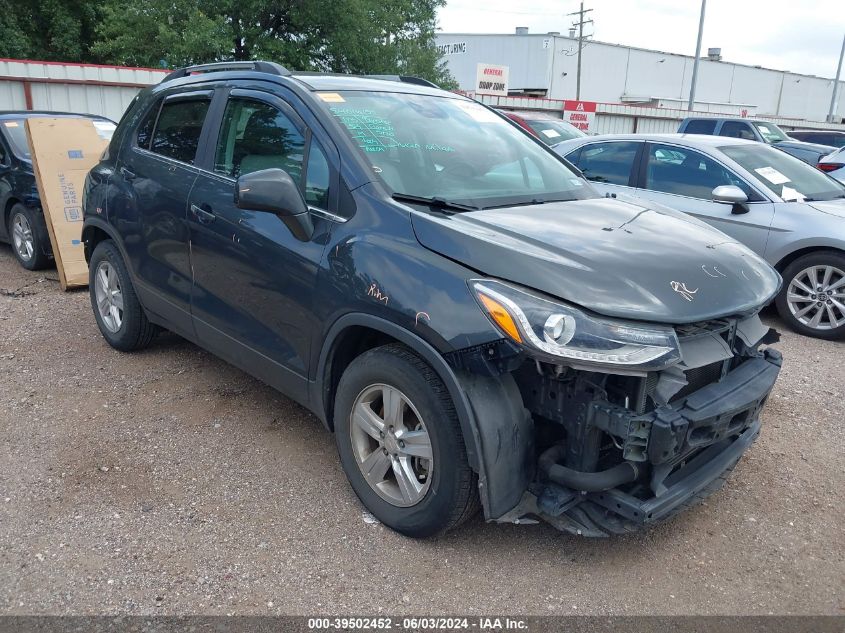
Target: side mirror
x: 731, y: 194
x: 274, y: 191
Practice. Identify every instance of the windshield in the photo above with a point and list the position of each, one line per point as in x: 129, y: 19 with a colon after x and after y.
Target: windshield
x: 784, y: 175
x: 553, y: 132
x: 16, y: 134
x: 770, y: 132
x: 451, y: 149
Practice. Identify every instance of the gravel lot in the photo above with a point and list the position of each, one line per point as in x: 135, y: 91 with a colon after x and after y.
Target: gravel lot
x: 167, y: 482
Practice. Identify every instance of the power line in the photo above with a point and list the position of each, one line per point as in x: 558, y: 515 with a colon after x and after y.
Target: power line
x: 580, y: 25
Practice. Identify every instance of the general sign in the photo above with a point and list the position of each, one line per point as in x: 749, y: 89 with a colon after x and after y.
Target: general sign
x: 581, y: 114
x: 491, y: 80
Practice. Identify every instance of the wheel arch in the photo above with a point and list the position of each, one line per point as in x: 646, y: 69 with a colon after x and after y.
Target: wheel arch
x: 7, y: 210
x: 352, y: 335
x: 501, y: 452
x: 786, y: 260
x: 96, y: 230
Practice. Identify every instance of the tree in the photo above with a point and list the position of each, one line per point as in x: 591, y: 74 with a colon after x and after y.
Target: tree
x: 356, y: 36
x: 52, y: 30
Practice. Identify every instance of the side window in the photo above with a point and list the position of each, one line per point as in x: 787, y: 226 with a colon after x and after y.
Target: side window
x: 317, y: 177
x: 145, y: 130
x: 701, y: 126
x: 685, y: 172
x: 257, y: 136
x: 609, y: 163
x: 177, y: 133
x: 737, y: 129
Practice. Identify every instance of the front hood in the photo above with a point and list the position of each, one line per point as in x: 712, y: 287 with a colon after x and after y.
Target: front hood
x: 831, y: 207
x: 613, y: 257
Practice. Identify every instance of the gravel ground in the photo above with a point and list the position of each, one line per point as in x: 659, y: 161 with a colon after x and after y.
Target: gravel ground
x: 168, y: 482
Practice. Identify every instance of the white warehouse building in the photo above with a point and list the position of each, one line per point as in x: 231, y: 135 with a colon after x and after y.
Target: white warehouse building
x: 545, y: 65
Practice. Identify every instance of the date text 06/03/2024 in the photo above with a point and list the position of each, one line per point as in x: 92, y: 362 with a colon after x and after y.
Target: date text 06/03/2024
x: 418, y: 623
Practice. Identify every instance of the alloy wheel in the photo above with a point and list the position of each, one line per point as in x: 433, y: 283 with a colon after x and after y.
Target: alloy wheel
x: 391, y: 445
x: 816, y: 297
x: 22, y: 237
x: 109, y: 297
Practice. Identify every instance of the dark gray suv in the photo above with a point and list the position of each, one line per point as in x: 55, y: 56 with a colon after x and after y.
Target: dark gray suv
x: 756, y: 130
x: 475, y: 324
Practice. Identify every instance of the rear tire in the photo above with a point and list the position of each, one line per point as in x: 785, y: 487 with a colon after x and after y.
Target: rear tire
x: 812, y: 300
x: 26, y: 238
x: 391, y: 409
x: 118, y: 312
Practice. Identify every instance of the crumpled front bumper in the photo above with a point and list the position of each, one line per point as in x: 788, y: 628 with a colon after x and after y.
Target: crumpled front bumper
x: 691, y: 448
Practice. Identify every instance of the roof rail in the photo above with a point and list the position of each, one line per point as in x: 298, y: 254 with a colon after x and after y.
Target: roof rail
x: 261, y: 67
x: 407, y: 79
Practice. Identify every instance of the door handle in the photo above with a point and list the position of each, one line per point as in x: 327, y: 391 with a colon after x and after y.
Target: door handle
x: 203, y: 216
x: 128, y: 174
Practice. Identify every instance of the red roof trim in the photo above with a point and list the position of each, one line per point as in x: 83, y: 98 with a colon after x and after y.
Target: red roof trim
x: 33, y: 61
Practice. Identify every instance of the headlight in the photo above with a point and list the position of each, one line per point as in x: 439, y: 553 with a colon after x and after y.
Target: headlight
x: 561, y: 331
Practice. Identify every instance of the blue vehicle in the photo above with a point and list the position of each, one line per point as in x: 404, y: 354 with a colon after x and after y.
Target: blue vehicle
x: 476, y: 325
x: 23, y: 224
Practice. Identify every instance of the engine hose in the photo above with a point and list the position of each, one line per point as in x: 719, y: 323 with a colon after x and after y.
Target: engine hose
x: 623, y: 473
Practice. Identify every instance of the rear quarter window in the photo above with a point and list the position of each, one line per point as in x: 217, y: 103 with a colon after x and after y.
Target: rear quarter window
x: 145, y: 129
x: 700, y: 126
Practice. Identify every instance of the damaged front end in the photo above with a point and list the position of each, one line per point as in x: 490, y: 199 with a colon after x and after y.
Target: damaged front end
x: 628, y: 425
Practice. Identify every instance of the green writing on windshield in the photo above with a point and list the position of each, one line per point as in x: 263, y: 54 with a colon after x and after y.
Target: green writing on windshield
x: 374, y: 133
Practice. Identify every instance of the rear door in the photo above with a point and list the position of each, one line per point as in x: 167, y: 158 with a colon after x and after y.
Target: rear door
x: 609, y: 165
x: 155, y: 175
x: 684, y: 179
x: 254, y: 281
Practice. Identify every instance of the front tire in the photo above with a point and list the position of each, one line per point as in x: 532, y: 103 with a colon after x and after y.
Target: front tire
x: 24, y: 234
x: 812, y: 300
x: 118, y: 312
x: 400, y: 443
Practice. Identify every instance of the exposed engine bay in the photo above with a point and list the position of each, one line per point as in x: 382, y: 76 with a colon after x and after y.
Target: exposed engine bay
x: 615, y: 452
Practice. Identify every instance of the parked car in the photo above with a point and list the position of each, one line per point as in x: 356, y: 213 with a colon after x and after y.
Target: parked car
x: 545, y: 127
x: 823, y: 137
x: 23, y: 224
x: 470, y: 317
x: 781, y: 208
x: 834, y: 164
x: 756, y: 130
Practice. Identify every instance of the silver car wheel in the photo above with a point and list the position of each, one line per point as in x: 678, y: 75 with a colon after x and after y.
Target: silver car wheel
x: 816, y: 297
x: 391, y: 445
x: 109, y: 297
x: 22, y: 238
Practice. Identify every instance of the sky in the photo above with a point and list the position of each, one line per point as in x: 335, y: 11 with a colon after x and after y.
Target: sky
x: 803, y: 36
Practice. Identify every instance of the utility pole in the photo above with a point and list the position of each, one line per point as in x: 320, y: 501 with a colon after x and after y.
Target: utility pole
x: 580, y: 24
x: 831, y: 113
x: 697, y: 57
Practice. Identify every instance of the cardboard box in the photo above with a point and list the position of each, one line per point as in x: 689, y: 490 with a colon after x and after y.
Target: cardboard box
x: 63, y: 152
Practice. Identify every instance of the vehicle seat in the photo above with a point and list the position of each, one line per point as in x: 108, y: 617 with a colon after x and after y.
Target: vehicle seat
x: 265, y: 145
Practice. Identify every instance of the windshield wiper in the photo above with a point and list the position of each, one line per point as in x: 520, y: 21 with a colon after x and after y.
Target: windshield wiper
x: 824, y: 199
x: 434, y: 201
x: 528, y: 203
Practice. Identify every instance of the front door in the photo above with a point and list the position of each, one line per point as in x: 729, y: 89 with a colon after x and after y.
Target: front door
x: 253, y: 279
x: 684, y: 179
